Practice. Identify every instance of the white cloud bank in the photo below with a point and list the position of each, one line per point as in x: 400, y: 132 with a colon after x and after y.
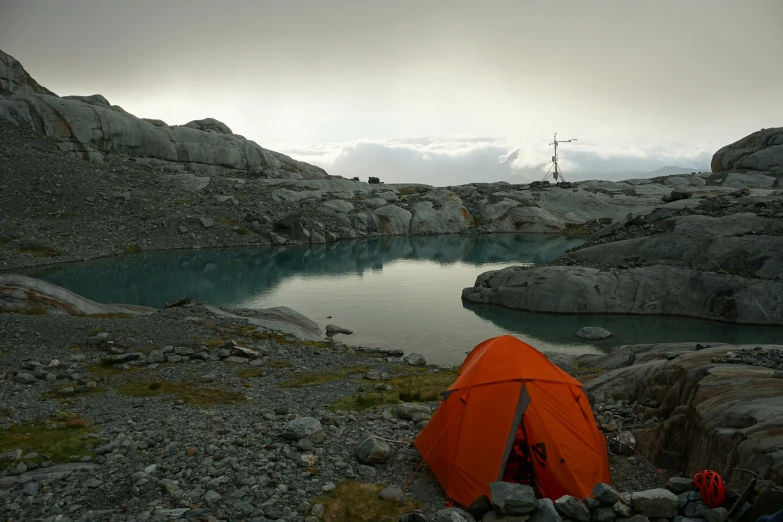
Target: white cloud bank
x: 457, y: 160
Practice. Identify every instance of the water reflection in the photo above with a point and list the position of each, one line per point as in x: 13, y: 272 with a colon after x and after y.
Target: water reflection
x: 232, y: 276
x: 626, y: 329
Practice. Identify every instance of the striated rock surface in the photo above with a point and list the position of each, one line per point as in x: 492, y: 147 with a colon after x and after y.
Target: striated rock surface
x: 759, y: 151
x: 722, y: 261
x: 721, y: 406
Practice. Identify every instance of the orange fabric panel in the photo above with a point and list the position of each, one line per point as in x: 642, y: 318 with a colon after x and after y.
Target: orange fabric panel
x: 486, y: 425
x: 507, y: 358
x: 575, y: 450
x: 437, y: 442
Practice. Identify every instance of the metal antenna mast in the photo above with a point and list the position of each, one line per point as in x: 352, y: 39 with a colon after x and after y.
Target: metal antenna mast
x: 557, y: 174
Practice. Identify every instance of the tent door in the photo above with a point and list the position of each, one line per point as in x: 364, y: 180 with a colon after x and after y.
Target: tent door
x: 522, y: 404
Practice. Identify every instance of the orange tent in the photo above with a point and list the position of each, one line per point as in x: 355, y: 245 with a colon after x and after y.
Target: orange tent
x: 504, y: 383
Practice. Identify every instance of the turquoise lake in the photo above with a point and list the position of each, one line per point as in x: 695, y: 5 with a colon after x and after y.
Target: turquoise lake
x: 395, y: 292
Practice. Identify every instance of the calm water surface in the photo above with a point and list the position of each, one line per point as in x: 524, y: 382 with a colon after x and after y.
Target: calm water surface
x: 401, y: 292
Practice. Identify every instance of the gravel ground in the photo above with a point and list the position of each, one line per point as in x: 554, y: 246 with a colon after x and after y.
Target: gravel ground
x: 150, y: 455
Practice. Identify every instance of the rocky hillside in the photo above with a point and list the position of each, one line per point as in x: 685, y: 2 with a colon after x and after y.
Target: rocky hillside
x: 719, y: 259
x: 92, y: 129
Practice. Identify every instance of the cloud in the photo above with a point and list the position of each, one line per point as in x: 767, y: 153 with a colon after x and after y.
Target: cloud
x: 468, y: 159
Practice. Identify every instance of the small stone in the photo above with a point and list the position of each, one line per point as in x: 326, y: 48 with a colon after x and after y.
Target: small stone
x: 606, y: 494
x: 319, y: 509
x: 372, y: 450
x: 679, y: 485
x: 190, y: 451
x: 281, y: 410
x: 546, y: 512
x: 573, y: 508
x: 716, y: 515
x: 24, y: 378
x: 593, y: 333
x: 452, y: 514
x: 391, y: 493
x: 70, y: 390
x: 414, y: 359
x: 513, y: 499
x: 207, y: 377
x: 174, y: 358
x: 155, y: 356
x: 655, y: 503
x: 333, y: 329
x: 367, y: 471
x: 301, y: 427
x: 212, y: 497
x: 603, y: 514
x: 30, y: 489
x: 623, y: 510
x: 206, y: 222
x: 183, y: 230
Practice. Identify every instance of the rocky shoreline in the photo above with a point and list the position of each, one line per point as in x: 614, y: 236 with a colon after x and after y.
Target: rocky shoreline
x: 195, y: 411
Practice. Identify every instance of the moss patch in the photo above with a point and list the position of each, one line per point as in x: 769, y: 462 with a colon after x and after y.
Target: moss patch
x: 59, y: 438
x: 111, y: 315
x: 415, y: 387
x: 131, y: 249
x: 353, y: 501
x: 187, y: 391
x: 250, y: 332
x: 36, y: 310
x: 249, y: 373
x: 316, y: 378
x: 38, y: 251
x: 280, y: 364
x: 105, y: 370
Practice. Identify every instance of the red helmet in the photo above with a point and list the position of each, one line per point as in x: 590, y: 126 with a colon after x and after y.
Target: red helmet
x: 711, y: 488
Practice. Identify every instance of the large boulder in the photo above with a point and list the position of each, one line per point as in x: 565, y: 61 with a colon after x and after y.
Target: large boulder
x: 652, y: 290
x: 761, y: 150
x: 393, y: 220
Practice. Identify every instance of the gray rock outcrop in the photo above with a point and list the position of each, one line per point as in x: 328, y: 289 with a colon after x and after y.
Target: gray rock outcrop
x: 724, y: 267
x: 14, y: 79
x: 94, y: 130
x: 26, y: 294
x: 759, y: 151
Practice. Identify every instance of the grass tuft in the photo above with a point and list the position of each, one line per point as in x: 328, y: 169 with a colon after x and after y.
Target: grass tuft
x: 38, y: 251
x: 414, y: 387
x: 316, y: 378
x: 36, y: 310
x: 59, y: 438
x: 249, y: 373
x: 187, y: 391
x: 353, y: 501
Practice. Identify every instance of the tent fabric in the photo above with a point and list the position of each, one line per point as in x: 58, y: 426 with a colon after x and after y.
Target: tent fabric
x: 503, y: 382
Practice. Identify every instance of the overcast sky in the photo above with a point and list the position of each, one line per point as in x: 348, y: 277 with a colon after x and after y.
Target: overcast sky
x: 439, y: 90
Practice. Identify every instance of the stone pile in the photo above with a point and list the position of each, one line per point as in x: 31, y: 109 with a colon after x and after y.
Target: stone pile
x: 616, y: 415
x: 678, y: 502
x: 757, y: 356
